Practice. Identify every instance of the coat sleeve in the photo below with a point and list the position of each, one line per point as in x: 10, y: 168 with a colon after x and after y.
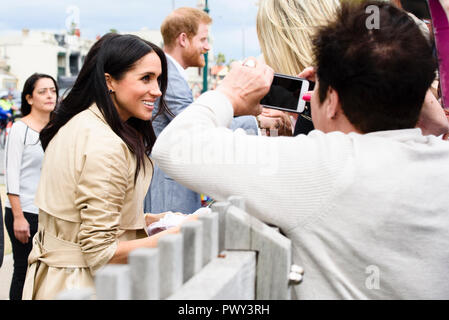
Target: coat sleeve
x: 100, y: 197
x: 247, y: 123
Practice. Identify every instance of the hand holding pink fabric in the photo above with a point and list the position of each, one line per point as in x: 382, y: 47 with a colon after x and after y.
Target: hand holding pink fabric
x: 439, y: 10
x: 445, y: 5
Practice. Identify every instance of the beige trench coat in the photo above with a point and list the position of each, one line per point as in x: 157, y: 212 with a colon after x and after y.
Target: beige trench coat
x: 87, y: 203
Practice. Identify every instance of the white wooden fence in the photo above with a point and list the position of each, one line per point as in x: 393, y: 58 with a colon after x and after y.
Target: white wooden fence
x: 226, y: 254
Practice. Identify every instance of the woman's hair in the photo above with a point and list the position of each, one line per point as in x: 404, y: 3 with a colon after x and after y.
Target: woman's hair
x: 114, y: 54
x: 418, y: 8
x: 285, y: 29
x: 381, y: 74
x: 28, y: 89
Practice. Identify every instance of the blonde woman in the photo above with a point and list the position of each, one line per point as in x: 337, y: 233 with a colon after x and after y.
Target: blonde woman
x: 285, y: 29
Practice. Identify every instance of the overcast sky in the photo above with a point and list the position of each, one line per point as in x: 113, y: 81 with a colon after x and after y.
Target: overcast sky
x: 233, y: 28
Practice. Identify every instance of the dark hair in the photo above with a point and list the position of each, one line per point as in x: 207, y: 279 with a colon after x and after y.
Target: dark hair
x: 114, y: 54
x: 28, y: 89
x: 418, y: 8
x: 381, y: 75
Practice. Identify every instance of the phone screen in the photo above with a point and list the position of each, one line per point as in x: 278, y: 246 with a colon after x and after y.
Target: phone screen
x: 286, y: 93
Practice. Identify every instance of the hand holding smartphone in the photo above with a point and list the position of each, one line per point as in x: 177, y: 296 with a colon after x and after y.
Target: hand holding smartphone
x: 286, y: 93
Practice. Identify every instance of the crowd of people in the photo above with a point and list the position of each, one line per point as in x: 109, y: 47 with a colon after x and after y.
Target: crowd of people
x: 355, y: 181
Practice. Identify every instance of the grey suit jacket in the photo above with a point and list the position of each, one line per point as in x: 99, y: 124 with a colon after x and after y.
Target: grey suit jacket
x: 164, y: 193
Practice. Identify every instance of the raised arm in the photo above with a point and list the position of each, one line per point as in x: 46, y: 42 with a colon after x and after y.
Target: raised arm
x: 200, y: 152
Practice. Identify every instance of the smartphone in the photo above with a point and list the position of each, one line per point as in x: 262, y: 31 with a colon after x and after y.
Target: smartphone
x: 286, y: 93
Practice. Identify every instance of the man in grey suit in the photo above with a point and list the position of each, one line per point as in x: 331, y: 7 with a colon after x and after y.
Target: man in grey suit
x: 185, y: 33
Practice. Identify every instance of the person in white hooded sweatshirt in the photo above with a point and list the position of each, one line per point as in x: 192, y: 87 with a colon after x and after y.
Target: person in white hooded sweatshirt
x: 362, y: 197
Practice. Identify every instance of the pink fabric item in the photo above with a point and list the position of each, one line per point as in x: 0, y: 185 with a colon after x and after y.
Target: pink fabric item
x: 441, y: 31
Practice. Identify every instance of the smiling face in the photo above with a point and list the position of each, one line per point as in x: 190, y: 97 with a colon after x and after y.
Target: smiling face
x: 197, y: 46
x: 135, y: 93
x: 43, y: 98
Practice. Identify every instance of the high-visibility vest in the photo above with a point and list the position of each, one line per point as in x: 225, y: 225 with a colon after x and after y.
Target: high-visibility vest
x: 5, y: 104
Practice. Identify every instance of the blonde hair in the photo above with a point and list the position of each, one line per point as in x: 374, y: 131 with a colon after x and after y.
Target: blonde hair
x: 285, y: 29
x: 181, y: 20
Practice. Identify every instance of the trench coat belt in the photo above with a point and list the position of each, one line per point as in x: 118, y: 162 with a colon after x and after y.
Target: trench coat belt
x: 53, y: 252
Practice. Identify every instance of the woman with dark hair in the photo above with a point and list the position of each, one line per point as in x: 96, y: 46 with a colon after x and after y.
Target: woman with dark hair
x: 23, y: 162
x: 96, y: 169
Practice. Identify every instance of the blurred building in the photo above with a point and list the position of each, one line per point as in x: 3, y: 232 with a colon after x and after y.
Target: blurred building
x: 59, y: 55
x: 218, y: 72
x: 153, y: 36
x: 8, y: 82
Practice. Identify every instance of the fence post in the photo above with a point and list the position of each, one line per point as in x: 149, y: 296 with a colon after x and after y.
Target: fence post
x: 186, y: 266
x: 238, y: 230
x: 273, y: 261
x: 144, y: 271
x: 192, y: 234
x: 171, y: 264
x: 221, y: 208
x: 112, y: 282
x: 238, y: 201
x: 210, y: 236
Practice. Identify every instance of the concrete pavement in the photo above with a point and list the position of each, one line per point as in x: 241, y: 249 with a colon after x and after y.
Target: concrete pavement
x: 5, y: 276
x: 7, y: 266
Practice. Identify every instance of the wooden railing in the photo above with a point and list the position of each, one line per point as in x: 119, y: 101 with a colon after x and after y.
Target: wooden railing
x: 226, y: 254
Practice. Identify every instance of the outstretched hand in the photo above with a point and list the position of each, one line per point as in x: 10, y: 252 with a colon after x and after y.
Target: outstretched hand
x: 245, y: 85
x: 155, y: 217
x: 271, y: 119
x: 308, y: 73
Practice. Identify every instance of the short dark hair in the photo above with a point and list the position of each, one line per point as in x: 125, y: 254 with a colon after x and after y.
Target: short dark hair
x: 381, y: 75
x: 417, y: 7
x: 28, y: 88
